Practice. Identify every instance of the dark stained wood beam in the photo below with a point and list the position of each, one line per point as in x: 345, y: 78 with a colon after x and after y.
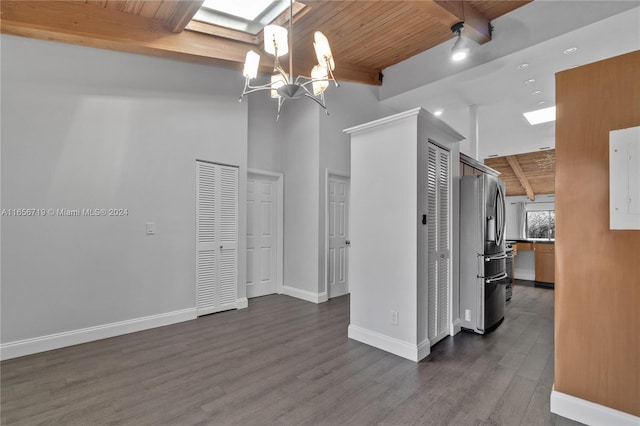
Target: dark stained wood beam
x: 513, y: 162
x: 476, y: 26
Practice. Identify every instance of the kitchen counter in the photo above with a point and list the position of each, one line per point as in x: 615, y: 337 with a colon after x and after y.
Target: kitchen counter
x: 544, y: 262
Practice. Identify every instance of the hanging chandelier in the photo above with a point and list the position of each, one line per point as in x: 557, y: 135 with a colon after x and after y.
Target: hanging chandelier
x: 278, y: 42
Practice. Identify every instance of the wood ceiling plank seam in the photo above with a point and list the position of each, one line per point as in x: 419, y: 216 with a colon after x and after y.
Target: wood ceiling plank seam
x: 318, y: 16
x: 150, y: 9
x: 99, y: 3
x: 115, y: 4
x: 132, y: 7
x: 329, y: 19
x: 385, y: 21
x: 393, y: 54
x: 165, y: 10
x: 398, y: 18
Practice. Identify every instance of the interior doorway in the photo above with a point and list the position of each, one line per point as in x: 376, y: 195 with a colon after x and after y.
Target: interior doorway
x: 264, y: 233
x: 337, y: 239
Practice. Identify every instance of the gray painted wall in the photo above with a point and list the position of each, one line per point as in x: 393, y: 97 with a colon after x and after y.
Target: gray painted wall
x: 91, y: 128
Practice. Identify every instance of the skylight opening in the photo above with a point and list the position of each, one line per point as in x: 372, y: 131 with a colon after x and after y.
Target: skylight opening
x: 248, y: 16
x: 539, y: 116
x: 246, y: 9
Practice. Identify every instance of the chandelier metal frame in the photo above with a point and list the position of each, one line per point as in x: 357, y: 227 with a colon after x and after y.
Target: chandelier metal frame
x: 282, y: 85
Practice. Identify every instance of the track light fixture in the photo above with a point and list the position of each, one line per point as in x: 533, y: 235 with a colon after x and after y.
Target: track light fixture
x: 460, y: 49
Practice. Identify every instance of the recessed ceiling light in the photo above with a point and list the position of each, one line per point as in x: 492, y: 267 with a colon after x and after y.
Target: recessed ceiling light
x: 537, y: 92
x: 541, y: 102
x: 543, y: 148
x: 530, y: 81
x: 492, y: 155
x: 541, y: 115
x: 437, y: 112
x: 570, y: 50
x: 523, y: 66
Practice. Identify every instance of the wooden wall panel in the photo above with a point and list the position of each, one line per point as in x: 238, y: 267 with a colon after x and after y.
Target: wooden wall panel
x: 597, y: 315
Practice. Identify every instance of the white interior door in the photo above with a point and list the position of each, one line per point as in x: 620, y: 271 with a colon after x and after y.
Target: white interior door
x: 338, y: 220
x: 261, y: 236
x: 439, y: 251
x: 216, y: 237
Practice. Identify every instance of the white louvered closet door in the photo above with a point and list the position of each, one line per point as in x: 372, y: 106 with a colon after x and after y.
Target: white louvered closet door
x: 216, y: 237
x: 439, y: 251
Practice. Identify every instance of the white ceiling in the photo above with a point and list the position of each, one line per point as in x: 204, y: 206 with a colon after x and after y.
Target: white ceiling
x: 493, y: 81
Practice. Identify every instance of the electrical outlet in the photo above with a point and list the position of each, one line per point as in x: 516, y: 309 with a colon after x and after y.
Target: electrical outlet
x: 467, y: 314
x: 394, y: 317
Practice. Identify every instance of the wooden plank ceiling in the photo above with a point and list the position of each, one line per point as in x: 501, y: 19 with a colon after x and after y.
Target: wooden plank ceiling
x: 366, y: 36
x: 527, y: 174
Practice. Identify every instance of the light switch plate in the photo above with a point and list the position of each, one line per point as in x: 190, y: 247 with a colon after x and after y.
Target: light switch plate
x: 151, y: 228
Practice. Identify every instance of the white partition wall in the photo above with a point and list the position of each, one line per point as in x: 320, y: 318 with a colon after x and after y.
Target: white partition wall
x: 389, y: 236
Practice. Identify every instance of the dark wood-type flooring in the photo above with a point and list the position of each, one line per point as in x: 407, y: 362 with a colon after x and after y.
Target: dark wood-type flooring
x: 283, y: 361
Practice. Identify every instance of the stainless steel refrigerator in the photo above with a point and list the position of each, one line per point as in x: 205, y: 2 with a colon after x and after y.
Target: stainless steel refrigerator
x: 483, y: 275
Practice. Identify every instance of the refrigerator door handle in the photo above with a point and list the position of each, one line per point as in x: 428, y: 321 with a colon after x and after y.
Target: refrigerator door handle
x: 498, y: 278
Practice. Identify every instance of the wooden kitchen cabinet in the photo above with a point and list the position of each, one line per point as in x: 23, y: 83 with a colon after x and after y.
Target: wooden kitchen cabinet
x: 545, y: 262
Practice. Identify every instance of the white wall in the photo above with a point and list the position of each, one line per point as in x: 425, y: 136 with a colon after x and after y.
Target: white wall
x: 297, y: 132
x: 302, y: 145
x: 91, y: 128
x: 264, y: 151
x: 349, y: 105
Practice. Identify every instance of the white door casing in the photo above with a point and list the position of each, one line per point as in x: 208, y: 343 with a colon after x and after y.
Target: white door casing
x: 216, y: 237
x: 337, y: 235
x: 261, y: 235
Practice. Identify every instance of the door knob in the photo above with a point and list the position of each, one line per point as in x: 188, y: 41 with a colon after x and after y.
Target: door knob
x: 347, y: 243
x: 221, y: 246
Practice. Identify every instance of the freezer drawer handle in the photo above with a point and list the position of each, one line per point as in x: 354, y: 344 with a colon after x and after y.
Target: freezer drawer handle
x: 492, y: 280
x: 490, y: 258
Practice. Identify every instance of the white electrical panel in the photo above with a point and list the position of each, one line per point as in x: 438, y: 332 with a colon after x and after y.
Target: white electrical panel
x: 624, y: 178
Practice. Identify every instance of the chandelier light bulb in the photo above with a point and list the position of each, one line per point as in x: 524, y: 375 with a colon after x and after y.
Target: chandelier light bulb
x: 320, y: 77
x: 275, y: 40
x: 323, y: 50
x: 251, y: 63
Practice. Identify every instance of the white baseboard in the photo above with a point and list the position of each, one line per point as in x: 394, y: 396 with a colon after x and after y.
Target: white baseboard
x: 390, y: 344
x: 456, y: 327
x: 589, y: 413
x: 522, y: 274
x: 243, y: 303
x: 424, y: 349
x: 75, y: 337
x: 309, y: 296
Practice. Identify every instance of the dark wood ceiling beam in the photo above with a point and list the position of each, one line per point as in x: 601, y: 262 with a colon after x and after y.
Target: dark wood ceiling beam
x: 184, y: 13
x: 476, y: 26
x: 513, y: 162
